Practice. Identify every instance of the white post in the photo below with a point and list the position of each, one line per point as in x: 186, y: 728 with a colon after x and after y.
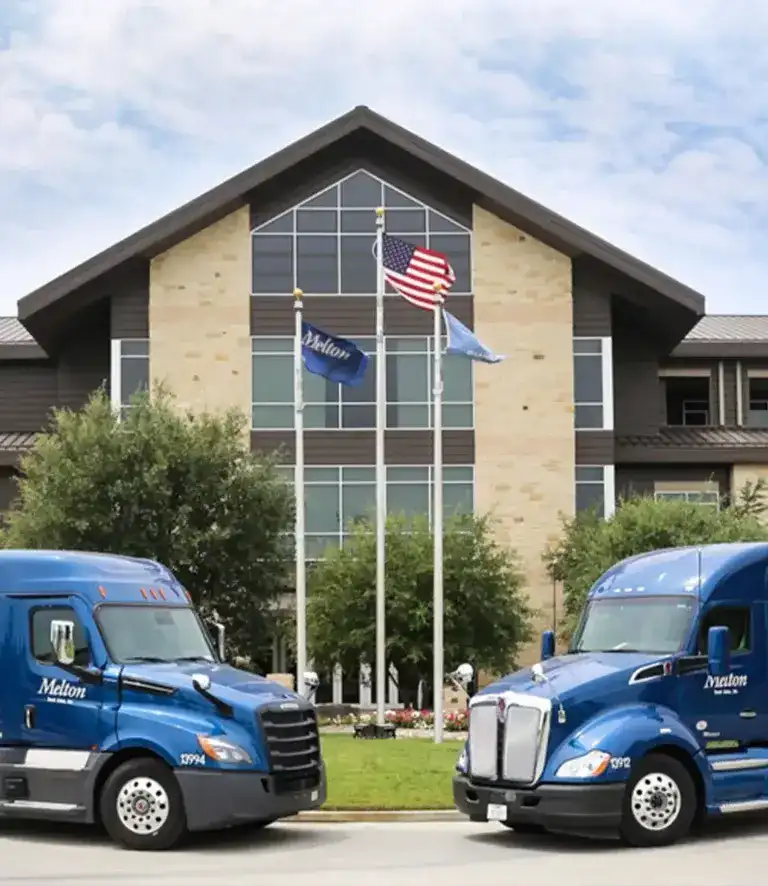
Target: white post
x: 301, y: 554
x: 438, y: 677
x: 381, y: 479
x: 338, y: 684
x: 364, y: 684
x: 393, y: 691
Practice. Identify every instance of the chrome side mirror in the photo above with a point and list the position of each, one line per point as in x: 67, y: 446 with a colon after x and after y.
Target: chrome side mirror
x: 63, y: 641
x: 311, y: 682
x: 221, y: 637
x: 464, y: 674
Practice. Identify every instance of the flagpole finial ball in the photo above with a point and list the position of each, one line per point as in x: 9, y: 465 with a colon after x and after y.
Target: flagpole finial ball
x: 380, y: 212
x: 438, y: 285
x: 297, y: 294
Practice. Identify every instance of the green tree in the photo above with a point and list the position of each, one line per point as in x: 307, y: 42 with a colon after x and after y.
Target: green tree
x: 179, y: 488
x: 590, y: 545
x: 487, y: 617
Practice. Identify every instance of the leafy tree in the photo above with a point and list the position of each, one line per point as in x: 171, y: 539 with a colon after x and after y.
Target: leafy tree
x: 487, y: 618
x: 590, y: 545
x: 179, y: 488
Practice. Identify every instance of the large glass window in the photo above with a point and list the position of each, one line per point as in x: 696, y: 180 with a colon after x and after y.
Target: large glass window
x: 129, y: 370
x: 325, y: 244
x: 334, y: 406
x: 595, y: 489
x: 338, y: 496
x: 593, y: 384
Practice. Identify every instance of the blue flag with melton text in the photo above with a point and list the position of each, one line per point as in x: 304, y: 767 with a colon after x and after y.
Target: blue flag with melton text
x: 463, y: 341
x: 332, y: 357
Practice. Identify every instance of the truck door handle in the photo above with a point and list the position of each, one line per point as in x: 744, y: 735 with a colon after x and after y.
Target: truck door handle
x: 748, y: 715
x: 29, y: 716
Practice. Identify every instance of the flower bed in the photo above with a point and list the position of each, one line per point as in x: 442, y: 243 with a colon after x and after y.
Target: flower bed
x: 408, y: 718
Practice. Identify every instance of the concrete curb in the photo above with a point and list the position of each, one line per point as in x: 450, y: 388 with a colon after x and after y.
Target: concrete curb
x: 341, y: 816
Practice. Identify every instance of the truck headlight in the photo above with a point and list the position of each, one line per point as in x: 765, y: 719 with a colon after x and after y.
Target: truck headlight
x: 589, y: 766
x: 223, y: 751
x: 462, y: 763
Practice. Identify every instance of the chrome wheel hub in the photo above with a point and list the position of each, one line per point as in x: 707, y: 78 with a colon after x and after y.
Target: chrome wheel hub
x: 143, y: 806
x: 656, y: 801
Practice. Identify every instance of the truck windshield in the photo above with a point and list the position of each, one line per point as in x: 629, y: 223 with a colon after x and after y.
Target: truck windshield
x: 153, y: 633
x: 656, y: 625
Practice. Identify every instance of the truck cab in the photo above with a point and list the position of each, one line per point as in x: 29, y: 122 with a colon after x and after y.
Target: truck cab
x: 655, y: 717
x: 118, y: 708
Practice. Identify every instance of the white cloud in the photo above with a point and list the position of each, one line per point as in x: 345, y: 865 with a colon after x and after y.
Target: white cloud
x: 642, y: 120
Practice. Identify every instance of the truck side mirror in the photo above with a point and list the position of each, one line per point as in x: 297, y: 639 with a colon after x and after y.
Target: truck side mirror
x: 547, y: 645
x: 719, y: 651
x: 63, y: 641
x: 221, y: 637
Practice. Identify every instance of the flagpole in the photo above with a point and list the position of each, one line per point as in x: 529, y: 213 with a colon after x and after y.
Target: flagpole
x: 381, y: 479
x: 301, y: 553
x: 438, y: 677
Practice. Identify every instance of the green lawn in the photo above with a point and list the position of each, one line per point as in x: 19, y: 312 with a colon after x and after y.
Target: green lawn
x: 407, y: 773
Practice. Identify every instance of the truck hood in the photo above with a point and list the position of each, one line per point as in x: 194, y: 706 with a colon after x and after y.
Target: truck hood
x: 241, y: 689
x: 577, y: 676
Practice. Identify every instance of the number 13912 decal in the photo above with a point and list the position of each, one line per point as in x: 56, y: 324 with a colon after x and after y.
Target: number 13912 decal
x: 621, y: 762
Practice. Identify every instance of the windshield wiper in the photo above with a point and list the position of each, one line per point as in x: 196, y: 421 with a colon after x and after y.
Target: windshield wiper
x: 195, y: 658
x: 150, y: 659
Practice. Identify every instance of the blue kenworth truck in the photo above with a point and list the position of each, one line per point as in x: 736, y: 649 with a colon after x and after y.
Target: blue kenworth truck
x: 117, y: 707
x: 656, y: 717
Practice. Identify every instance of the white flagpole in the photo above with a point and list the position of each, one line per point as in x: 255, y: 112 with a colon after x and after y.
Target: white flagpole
x: 438, y: 677
x: 381, y: 479
x: 301, y: 553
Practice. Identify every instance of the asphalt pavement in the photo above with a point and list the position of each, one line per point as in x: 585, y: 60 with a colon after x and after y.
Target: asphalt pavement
x: 452, y: 854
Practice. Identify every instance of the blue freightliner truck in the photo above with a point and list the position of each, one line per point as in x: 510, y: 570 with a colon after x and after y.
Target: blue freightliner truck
x: 656, y: 717
x: 117, y: 707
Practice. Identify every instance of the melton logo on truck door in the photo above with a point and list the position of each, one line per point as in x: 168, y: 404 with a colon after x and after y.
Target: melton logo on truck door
x: 61, y: 691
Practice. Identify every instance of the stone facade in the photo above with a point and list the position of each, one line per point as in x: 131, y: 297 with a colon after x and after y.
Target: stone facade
x: 524, y: 429
x: 199, y: 317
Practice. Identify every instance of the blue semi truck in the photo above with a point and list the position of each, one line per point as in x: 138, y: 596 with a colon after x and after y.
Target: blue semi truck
x: 117, y: 707
x: 656, y: 717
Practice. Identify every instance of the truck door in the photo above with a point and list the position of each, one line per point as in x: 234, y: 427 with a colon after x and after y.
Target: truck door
x: 57, y: 709
x: 729, y: 709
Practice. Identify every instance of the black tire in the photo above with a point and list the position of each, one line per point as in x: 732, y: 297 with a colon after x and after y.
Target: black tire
x: 524, y: 827
x: 660, y: 802
x: 133, y: 787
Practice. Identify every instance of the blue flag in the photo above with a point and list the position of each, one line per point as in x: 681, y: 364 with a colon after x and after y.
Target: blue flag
x: 463, y: 341
x: 331, y: 357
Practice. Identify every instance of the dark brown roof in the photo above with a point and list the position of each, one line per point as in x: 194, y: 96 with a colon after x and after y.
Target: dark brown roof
x: 695, y: 445
x: 729, y: 438
x: 16, y: 343
x: 739, y: 336
x: 212, y: 206
x: 13, y: 444
x: 12, y: 332
x: 730, y: 327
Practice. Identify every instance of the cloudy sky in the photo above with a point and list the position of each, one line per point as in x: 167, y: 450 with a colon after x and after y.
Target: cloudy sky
x: 645, y: 121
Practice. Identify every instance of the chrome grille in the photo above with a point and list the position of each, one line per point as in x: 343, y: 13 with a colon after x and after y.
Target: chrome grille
x: 508, y: 736
x: 483, y: 741
x: 521, y: 743
x: 293, y: 747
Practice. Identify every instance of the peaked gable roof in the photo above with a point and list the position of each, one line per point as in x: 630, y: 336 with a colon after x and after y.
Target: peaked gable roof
x: 42, y: 310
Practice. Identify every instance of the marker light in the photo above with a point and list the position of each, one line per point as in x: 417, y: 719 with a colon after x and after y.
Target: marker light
x: 588, y: 766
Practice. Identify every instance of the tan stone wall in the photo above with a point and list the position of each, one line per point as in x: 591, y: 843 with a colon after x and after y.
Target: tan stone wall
x: 524, y: 406
x: 741, y: 474
x: 199, y: 317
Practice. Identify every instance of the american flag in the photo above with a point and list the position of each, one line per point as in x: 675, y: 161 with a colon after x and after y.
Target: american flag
x: 413, y: 271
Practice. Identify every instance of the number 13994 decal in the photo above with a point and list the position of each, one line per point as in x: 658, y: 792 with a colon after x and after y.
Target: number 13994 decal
x: 192, y: 759
x: 621, y: 762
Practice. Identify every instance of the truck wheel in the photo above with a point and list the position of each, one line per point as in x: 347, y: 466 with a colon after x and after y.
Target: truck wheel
x: 659, y: 804
x: 142, y: 806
